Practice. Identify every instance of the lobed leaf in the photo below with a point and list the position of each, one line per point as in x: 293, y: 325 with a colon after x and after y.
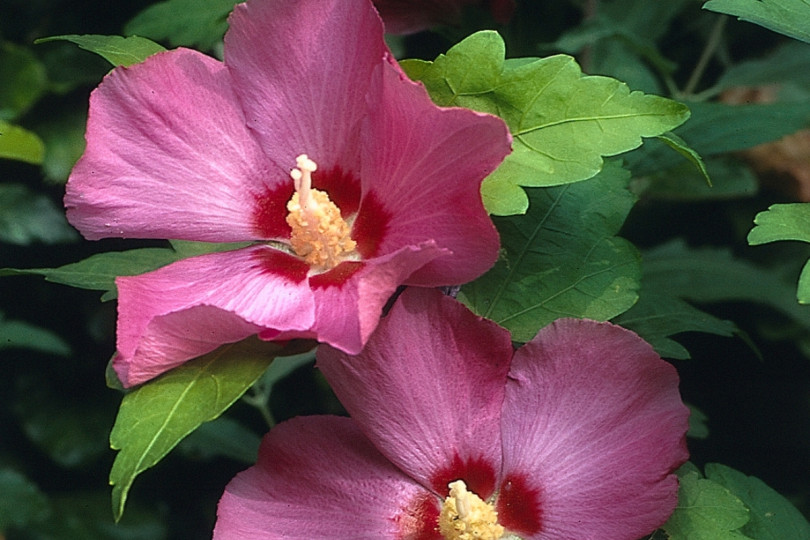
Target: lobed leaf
x: 788, y: 17
x: 117, y: 50
x: 562, y: 259
x: 562, y: 121
x: 785, y: 222
x: 706, y: 510
x: 156, y: 416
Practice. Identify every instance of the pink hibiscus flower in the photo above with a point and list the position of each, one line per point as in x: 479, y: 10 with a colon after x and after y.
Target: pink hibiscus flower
x: 409, y: 16
x: 186, y: 147
x: 574, y: 435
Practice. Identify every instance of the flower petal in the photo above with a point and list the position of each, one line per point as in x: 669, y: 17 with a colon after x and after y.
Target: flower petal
x: 168, y: 155
x: 304, y: 90
x: 593, y: 426
x: 318, y: 477
x: 190, y: 307
x: 428, y: 387
x: 424, y: 165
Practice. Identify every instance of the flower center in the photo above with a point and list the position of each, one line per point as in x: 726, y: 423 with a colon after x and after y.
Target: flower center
x: 464, y: 516
x: 320, y: 235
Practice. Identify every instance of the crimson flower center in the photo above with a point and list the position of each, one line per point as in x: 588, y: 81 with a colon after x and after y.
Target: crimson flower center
x: 319, y: 234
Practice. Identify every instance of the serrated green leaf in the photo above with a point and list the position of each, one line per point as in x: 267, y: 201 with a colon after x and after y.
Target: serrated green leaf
x: 563, y: 122
x: 772, y: 517
x: 562, y: 259
x: 788, y: 17
x: 27, y: 217
x: 21, y: 501
x: 98, y: 272
x: 22, y: 80
x: 785, y: 222
x: 22, y: 335
x: 117, y: 50
x: 656, y: 317
x: 183, y: 22
x: 706, y: 511
x: 20, y: 144
x: 156, y: 416
x: 789, y: 63
x: 681, y: 147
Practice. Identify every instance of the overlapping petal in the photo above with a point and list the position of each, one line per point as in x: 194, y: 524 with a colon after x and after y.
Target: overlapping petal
x: 608, y: 431
x: 317, y: 477
x: 428, y: 387
x: 168, y: 155
x: 190, y: 307
x: 302, y: 72
x: 425, y: 194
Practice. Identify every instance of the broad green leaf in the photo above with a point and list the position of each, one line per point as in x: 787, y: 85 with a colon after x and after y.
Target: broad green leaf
x: 706, y: 511
x: 562, y: 259
x: 22, y: 80
x: 789, y: 63
x: 715, y: 275
x: 22, y: 335
x: 27, y: 217
x: 788, y: 17
x: 731, y: 178
x: 20, y: 144
x: 785, y: 222
x: 656, y: 317
x: 98, y: 272
x: 183, y: 22
x: 117, y: 50
x: 156, y: 416
x: 563, y: 122
x: 187, y: 248
x: 223, y: 437
x: 21, y: 501
x: 717, y: 128
x: 772, y: 517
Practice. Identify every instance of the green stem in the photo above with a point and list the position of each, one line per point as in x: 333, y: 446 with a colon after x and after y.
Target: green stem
x: 708, y: 51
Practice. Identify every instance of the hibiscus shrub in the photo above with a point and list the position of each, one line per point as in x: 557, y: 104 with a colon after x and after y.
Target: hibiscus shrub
x: 404, y: 269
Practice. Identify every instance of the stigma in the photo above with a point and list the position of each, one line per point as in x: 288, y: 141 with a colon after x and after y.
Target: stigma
x: 464, y: 516
x: 319, y: 235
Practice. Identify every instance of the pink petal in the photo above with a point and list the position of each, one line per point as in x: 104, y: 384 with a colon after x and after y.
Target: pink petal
x: 593, y: 426
x: 168, y: 155
x: 319, y: 477
x: 302, y: 72
x: 347, y: 309
x: 190, y: 307
x: 427, y: 176
x: 428, y: 388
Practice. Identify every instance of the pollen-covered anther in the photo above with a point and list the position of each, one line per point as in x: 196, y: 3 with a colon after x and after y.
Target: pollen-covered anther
x: 464, y: 516
x: 319, y: 235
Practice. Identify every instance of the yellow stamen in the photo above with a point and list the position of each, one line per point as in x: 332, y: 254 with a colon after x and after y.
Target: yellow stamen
x: 465, y: 516
x: 320, y: 235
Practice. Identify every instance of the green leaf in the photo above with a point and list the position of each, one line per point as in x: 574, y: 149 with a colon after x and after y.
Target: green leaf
x: 698, y: 427
x: 731, y: 178
x: 63, y: 136
x: 772, y: 517
x: 562, y: 259
x: 22, y: 80
x: 563, y: 122
x: 788, y: 17
x: 706, y: 510
x: 656, y: 317
x: 117, y: 50
x: 222, y: 437
x: 790, y: 63
x: 21, y: 501
x: 785, y: 222
x: 22, y: 335
x: 183, y: 22
x: 680, y: 146
x: 20, y: 144
x: 717, y: 128
x: 154, y: 417
x: 27, y: 217
x: 98, y: 272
